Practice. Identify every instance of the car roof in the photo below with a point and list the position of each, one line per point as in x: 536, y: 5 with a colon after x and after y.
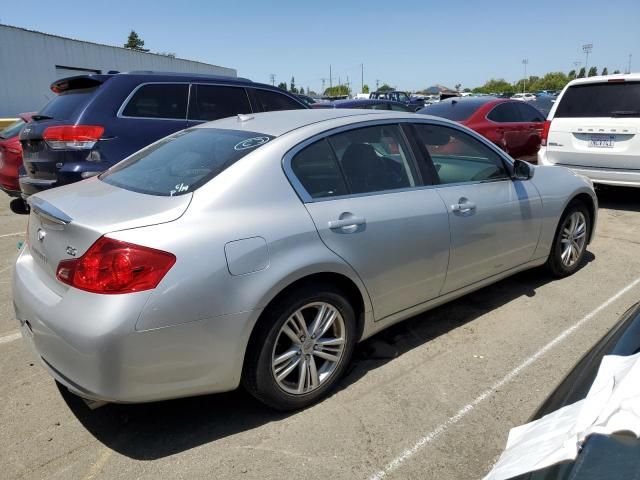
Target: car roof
x: 364, y: 101
x: 476, y: 102
x: 280, y: 122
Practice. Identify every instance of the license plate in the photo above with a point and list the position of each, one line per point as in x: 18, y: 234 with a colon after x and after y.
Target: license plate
x: 602, y: 141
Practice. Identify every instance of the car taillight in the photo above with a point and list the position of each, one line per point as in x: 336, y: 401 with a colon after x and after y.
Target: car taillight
x: 112, y: 266
x: 72, y: 137
x: 545, y: 133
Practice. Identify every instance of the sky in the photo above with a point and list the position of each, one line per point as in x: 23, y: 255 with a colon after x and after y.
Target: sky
x: 408, y: 44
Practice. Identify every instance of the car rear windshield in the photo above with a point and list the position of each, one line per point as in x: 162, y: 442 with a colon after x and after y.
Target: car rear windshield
x: 610, y: 99
x: 453, y: 110
x: 12, y: 130
x: 184, y: 161
x: 67, y: 104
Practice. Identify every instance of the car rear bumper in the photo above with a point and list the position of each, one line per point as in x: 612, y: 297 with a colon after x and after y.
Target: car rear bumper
x: 89, y: 343
x: 605, y: 176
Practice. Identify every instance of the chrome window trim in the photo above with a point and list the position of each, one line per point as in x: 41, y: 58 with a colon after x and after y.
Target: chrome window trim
x: 306, y: 198
x: 133, y: 92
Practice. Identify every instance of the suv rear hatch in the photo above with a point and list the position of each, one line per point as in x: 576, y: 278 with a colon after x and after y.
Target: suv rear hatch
x: 597, y: 125
x: 65, y: 222
x: 54, y: 138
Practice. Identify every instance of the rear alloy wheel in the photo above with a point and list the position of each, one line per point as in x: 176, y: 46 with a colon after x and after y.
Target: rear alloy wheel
x: 570, y: 243
x: 300, y: 350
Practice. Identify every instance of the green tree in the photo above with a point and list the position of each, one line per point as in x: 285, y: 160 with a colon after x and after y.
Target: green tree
x: 292, y: 86
x: 337, y: 91
x: 593, y: 71
x: 365, y: 88
x: 283, y: 86
x: 494, y: 86
x: 467, y: 90
x: 581, y: 73
x: 385, y: 88
x: 457, y: 87
x: 605, y: 71
x: 572, y: 74
x: 134, y: 42
x: 616, y: 72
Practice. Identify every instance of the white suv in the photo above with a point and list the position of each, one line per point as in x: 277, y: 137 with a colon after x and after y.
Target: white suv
x: 524, y: 97
x: 594, y: 129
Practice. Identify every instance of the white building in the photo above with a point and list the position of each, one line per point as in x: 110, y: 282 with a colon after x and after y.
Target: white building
x: 30, y: 61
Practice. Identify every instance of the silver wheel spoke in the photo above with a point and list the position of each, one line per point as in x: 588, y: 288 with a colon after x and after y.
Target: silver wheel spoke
x: 313, y: 373
x: 330, y: 342
x: 292, y: 352
x: 326, y: 355
x: 291, y: 334
x: 302, y: 378
x: 282, y: 373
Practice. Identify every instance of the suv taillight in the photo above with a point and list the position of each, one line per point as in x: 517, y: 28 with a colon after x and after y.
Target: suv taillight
x: 72, y: 137
x: 545, y: 132
x: 113, y: 266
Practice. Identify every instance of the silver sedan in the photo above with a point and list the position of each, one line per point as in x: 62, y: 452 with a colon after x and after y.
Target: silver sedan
x: 258, y: 250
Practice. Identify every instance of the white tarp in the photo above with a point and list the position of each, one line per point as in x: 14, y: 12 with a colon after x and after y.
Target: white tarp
x: 612, y: 405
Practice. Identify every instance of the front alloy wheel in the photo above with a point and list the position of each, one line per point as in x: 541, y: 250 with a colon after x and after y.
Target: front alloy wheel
x: 574, y: 238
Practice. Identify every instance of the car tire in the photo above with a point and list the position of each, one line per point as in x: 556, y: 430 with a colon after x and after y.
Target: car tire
x: 314, y: 375
x: 570, y: 242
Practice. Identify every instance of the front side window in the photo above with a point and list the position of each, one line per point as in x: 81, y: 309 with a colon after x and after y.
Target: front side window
x: 373, y: 159
x: 458, y: 157
x: 184, y: 161
x: 317, y: 170
x: 211, y: 102
x: 270, y: 101
x: 158, y: 100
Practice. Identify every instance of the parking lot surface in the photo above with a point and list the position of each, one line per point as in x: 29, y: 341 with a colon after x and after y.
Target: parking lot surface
x: 432, y: 397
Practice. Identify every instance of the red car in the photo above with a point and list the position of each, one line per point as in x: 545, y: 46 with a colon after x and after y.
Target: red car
x: 514, y: 126
x: 11, y: 155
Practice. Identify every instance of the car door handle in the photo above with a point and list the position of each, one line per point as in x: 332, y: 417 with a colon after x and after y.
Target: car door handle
x: 465, y: 207
x: 346, y: 222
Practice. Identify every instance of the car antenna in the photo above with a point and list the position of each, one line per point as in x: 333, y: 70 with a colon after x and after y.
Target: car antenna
x: 244, y: 118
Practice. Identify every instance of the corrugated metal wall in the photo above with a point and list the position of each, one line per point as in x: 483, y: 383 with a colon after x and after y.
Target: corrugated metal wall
x: 29, y: 62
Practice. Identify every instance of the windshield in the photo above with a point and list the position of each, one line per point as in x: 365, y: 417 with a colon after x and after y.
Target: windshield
x: 12, y: 130
x: 184, y: 161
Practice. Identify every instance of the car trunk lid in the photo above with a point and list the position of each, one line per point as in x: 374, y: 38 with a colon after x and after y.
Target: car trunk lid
x: 66, y: 221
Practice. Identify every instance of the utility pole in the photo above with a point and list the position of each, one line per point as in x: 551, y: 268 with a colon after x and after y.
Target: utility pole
x: 525, y: 61
x: 377, y: 84
x: 348, y: 84
x: 586, y: 48
x: 273, y: 78
x: 629, y: 67
x: 330, y: 78
x: 323, y: 80
x: 362, y: 78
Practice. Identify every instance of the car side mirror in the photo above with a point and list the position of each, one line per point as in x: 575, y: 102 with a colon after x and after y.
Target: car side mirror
x: 522, y: 170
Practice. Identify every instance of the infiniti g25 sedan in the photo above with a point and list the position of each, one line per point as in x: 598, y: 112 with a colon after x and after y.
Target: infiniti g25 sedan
x: 258, y: 249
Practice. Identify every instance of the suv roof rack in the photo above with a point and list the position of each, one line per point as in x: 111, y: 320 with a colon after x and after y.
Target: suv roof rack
x: 186, y: 74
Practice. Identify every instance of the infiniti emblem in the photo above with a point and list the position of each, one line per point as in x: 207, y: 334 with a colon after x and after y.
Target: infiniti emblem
x: 41, y: 234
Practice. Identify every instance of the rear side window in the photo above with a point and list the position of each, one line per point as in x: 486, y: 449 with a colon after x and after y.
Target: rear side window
x: 400, y: 108
x: 529, y: 113
x: 505, y: 113
x: 453, y: 110
x: 374, y: 159
x: 611, y: 99
x: 269, y: 101
x: 68, y: 104
x: 318, y: 172
x: 184, y: 161
x: 211, y: 102
x: 158, y: 100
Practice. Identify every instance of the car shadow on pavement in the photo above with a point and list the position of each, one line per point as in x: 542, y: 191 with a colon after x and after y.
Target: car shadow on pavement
x: 156, y: 430
x: 619, y: 198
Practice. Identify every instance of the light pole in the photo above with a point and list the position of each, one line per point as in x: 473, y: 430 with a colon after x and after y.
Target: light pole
x: 586, y: 48
x: 525, y: 61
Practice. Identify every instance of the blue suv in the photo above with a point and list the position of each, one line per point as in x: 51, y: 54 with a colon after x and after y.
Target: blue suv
x: 97, y: 120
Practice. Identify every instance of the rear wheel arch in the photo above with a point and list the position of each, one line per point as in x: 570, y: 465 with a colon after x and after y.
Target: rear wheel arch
x: 586, y: 200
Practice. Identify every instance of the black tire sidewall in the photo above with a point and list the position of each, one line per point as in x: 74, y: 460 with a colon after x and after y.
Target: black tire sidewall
x: 555, y: 264
x: 264, y: 386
